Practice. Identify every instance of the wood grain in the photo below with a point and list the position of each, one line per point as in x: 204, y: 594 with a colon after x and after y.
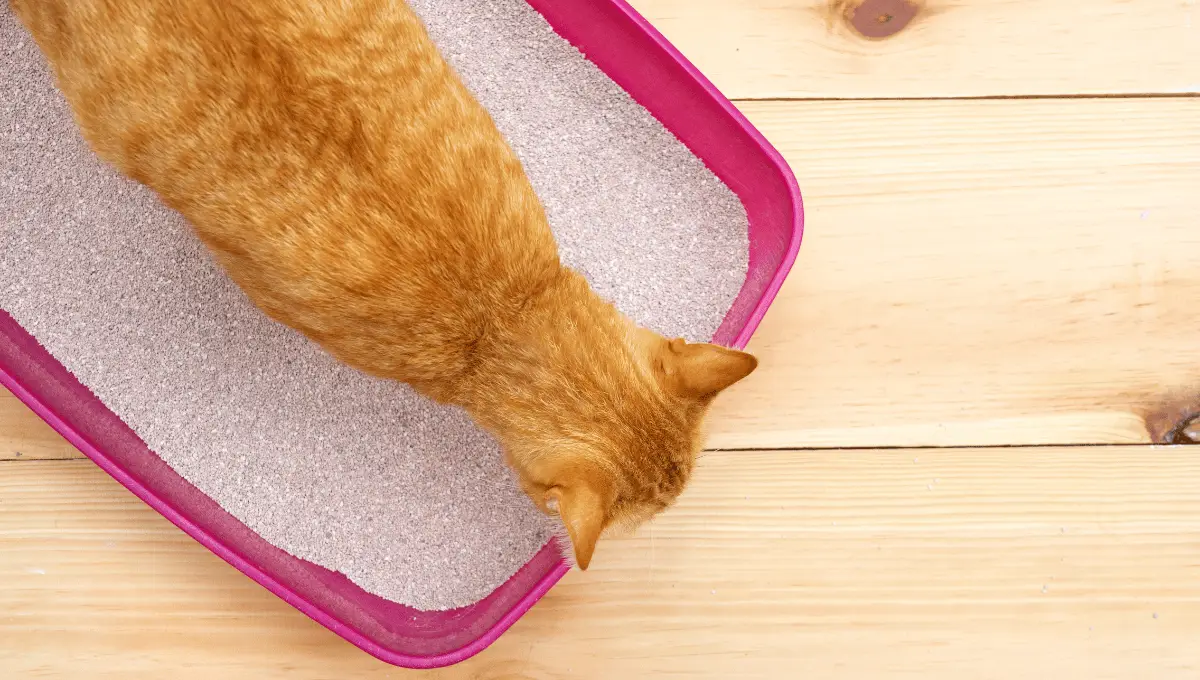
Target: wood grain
x: 953, y: 48
x: 991, y: 563
x: 979, y: 272
x: 973, y: 273
x: 24, y: 435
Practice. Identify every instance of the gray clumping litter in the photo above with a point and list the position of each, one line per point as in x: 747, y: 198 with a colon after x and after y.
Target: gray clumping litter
x: 633, y: 210
x: 408, y: 499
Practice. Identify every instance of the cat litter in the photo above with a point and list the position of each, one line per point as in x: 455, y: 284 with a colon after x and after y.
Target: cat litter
x: 396, y: 508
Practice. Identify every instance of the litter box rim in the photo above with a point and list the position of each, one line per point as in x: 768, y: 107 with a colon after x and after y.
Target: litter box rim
x: 732, y: 332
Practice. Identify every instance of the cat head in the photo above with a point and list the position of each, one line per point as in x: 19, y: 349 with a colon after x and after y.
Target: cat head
x: 619, y: 438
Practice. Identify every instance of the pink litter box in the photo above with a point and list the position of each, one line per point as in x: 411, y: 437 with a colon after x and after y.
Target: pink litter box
x: 624, y: 45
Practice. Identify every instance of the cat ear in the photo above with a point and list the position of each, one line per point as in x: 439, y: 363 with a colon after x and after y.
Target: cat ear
x: 701, y: 370
x: 582, y: 510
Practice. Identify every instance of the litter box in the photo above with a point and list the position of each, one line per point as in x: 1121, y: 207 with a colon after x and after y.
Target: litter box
x: 634, y: 55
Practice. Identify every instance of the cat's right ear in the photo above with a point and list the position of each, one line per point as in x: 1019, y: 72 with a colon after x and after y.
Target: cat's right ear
x: 702, y: 370
x: 583, y: 510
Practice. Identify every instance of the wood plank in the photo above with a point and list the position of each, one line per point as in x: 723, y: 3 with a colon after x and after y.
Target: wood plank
x: 953, y: 48
x: 987, y: 563
x: 24, y: 435
x: 979, y: 272
x: 973, y: 273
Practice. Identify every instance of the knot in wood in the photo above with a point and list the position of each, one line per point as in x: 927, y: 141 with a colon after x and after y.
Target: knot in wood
x: 878, y: 19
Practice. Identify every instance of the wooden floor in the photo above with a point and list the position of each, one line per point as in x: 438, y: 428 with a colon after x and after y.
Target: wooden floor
x: 944, y: 468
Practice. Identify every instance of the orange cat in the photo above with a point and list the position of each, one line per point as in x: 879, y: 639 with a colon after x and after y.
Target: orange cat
x: 355, y: 190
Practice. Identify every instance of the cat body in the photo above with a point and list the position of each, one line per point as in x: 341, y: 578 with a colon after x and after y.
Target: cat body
x: 348, y: 182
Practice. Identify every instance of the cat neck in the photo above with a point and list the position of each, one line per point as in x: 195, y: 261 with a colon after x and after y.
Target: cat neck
x: 563, y: 350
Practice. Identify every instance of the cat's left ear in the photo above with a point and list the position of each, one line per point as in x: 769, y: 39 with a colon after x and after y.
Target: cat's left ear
x: 583, y: 510
x: 702, y: 370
